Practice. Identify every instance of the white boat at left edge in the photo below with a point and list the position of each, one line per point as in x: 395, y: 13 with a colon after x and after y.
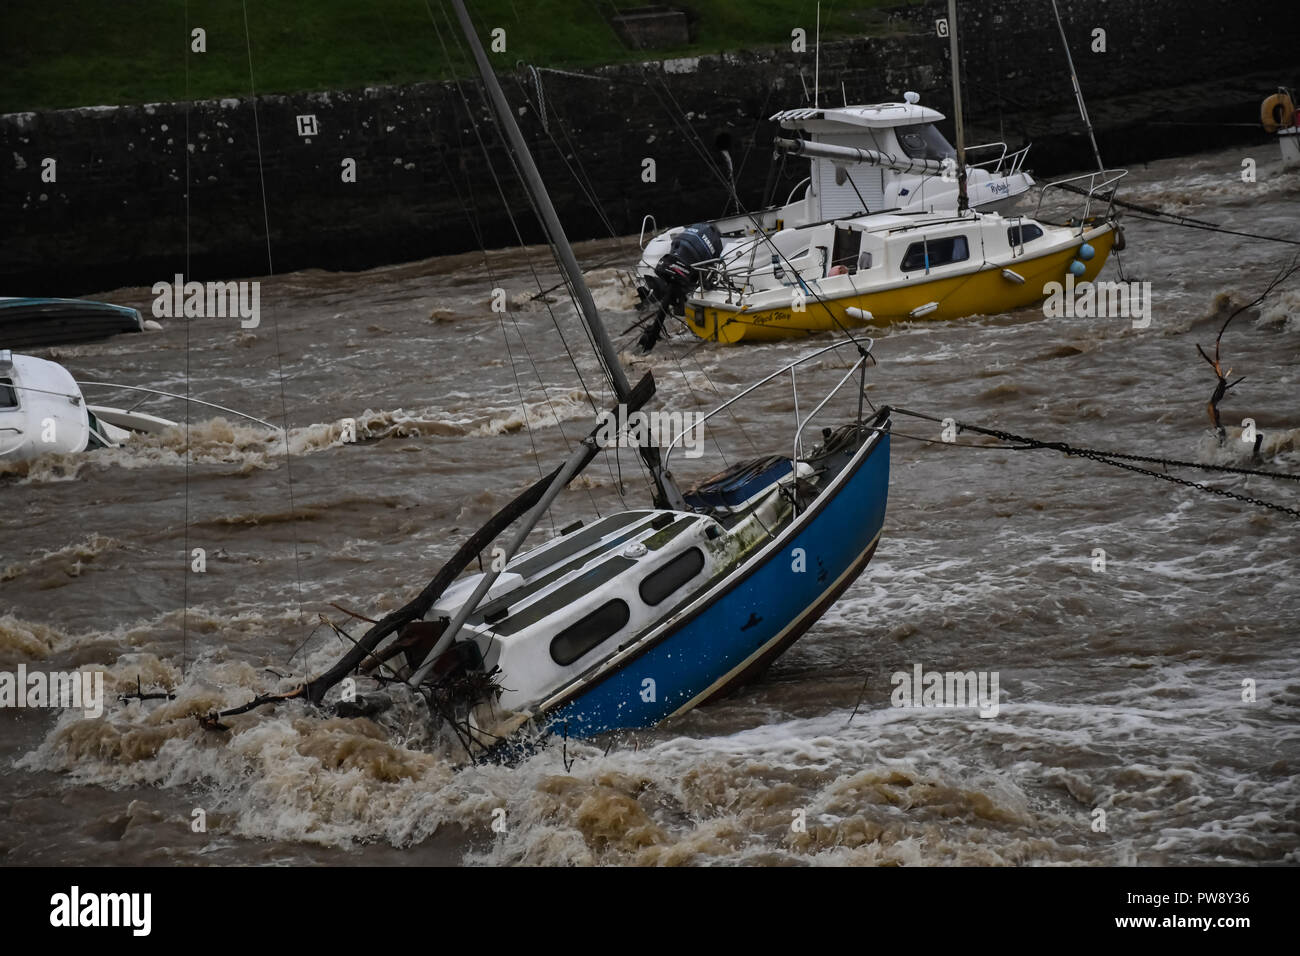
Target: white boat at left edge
x: 43, y: 411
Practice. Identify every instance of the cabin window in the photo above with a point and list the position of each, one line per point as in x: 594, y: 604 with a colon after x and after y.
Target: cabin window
x: 923, y: 141
x: 935, y: 252
x: 8, y: 397
x: 1021, y: 234
x: 659, y: 584
x: 594, y: 629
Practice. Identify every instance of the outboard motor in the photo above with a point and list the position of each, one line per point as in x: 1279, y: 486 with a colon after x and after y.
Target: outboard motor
x: 675, y: 277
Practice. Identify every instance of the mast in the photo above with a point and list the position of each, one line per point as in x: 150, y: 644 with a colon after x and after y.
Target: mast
x: 962, y: 204
x: 608, y: 355
x: 1078, y: 92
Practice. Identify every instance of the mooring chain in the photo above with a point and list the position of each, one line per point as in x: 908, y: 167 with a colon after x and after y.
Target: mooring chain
x: 1118, y: 459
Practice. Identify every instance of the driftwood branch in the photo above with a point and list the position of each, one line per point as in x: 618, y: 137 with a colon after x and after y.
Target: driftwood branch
x: 1222, y: 387
x: 140, y: 695
x: 359, y: 617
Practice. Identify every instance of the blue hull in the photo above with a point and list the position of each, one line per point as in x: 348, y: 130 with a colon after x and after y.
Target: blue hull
x: 732, y: 632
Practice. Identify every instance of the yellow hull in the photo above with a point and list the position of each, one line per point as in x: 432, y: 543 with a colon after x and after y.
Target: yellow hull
x: 986, y: 292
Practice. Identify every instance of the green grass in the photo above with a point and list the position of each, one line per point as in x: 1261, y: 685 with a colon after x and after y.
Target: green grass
x: 65, y: 53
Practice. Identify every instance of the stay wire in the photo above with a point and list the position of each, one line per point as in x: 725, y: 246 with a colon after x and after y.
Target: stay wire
x: 185, y: 557
x: 519, y: 236
x: 472, y: 216
x: 275, y: 323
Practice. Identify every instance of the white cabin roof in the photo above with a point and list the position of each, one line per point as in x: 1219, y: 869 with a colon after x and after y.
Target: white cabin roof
x: 874, y: 115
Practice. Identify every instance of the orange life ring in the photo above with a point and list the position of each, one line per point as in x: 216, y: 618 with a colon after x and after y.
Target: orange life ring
x: 1277, y: 112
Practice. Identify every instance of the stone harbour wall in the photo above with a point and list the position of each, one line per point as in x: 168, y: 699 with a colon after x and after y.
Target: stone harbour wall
x: 355, y: 179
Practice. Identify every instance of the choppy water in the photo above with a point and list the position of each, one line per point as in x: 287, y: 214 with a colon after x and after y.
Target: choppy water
x: 1120, y: 691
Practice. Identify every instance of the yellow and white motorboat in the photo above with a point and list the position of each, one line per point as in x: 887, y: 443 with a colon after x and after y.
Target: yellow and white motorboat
x: 885, y: 268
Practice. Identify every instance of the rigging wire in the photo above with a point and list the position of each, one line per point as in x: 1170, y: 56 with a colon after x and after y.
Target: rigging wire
x: 185, y: 556
x: 532, y: 269
x: 472, y: 218
x: 275, y: 323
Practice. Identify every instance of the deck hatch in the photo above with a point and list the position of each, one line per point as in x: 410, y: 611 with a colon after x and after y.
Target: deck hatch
x: 563, y: 597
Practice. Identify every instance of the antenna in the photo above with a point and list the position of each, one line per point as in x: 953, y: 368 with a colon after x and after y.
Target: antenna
x: 817, y: 56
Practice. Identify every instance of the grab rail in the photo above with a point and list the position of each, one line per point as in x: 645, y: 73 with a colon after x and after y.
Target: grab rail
x: 654, y: 228
x: 806, y: 181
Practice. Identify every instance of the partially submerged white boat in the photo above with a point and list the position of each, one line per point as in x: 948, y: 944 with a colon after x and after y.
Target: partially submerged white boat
x: 43, y: 411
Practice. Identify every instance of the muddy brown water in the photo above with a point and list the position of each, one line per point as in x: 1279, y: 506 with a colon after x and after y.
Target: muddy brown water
x: 1121, y: 690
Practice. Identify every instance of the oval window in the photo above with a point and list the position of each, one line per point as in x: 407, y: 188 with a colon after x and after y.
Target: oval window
x: 659, y: 584
x: 585, y: 634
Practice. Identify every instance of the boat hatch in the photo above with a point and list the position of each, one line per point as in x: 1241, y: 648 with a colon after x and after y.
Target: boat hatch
x: 567, y: 595
x: 739, y: 483
x: 548, y: 555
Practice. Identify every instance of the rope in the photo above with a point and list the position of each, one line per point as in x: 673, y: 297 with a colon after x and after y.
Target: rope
x: 1226, y: 232
x: 1118, y: 459
x: 1173, y: 219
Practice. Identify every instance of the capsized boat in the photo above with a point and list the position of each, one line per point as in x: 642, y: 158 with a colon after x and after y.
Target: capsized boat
x: 43, y: 410
x: 37, y: 323
x: 648, y: 612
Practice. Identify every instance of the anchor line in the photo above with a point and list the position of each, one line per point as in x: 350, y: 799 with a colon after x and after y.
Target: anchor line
x: 1178, y: 221
x: 1121, y: 459
x: 1152, y: 214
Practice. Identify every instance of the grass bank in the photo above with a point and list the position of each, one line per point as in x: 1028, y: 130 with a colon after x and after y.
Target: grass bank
x: 70, y: 53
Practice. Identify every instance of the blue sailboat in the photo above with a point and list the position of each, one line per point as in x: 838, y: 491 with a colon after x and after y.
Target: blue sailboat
x: 643, y: 614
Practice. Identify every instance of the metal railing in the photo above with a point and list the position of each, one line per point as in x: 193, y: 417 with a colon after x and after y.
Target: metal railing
x: 1098, y: 182
x: 193, y: 401
x: 799, y: 425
